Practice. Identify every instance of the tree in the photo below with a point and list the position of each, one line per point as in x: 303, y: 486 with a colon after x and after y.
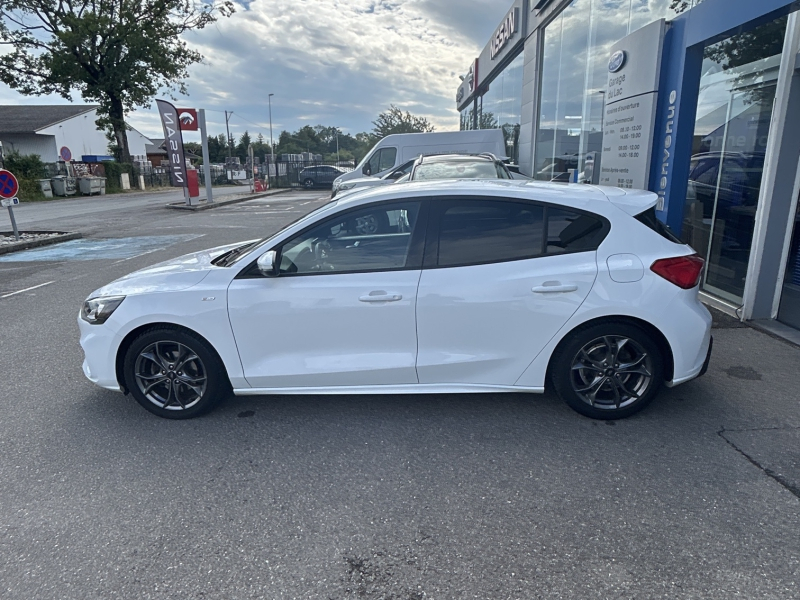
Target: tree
x: 118, y: 53
x: 395, y: 120
x: 679, y: 5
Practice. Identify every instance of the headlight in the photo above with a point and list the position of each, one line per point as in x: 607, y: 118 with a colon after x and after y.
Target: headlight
x: 347, y: 186
x: 337, y: 183
x: 97, y: 310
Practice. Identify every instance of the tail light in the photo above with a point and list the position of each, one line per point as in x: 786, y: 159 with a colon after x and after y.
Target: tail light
x: 683, y: 271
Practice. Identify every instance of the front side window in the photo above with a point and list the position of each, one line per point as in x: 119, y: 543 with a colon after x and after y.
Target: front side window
x: 485, y: 231
x: 382, y: 160
x: 374, y: 238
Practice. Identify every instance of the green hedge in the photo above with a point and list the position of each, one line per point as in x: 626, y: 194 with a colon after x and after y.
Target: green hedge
x: 29, y: 169
x: 113, y: 171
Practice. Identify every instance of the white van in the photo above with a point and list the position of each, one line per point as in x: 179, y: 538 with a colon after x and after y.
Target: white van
x: 394, y: 150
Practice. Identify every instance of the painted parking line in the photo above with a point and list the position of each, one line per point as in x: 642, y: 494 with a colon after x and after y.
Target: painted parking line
x: 34, y: 287
x: 105, y: 249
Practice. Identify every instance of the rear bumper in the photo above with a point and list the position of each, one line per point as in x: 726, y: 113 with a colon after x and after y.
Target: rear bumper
x: 708, y: 358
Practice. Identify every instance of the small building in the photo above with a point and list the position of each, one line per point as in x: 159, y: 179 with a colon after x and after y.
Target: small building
x: 46, y: 129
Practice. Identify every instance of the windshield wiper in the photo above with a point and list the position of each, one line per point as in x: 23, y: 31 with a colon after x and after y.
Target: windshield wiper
x: 226, y: 259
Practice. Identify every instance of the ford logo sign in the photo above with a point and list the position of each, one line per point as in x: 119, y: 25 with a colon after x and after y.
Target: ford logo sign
x: 617, y: 61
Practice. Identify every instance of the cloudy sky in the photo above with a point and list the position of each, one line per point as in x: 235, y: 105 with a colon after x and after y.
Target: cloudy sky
x: 330, y: 62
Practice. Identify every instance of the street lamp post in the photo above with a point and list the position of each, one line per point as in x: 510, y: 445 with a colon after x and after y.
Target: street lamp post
x: 271, y: 143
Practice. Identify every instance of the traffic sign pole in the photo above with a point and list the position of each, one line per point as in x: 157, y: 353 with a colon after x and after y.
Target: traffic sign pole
x: 13, y: 222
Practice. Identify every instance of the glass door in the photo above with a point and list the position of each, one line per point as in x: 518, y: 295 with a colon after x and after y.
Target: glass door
x: 734, y: 113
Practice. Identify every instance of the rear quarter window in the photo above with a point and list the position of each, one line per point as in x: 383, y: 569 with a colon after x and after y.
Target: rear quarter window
x: 649, y: 219
x: 569, y: 231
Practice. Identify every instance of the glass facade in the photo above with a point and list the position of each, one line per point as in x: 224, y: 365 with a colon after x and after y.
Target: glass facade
x: 790, y: 298
x: 734, y: 113
x: 575, y: 57
x: 500, y: 106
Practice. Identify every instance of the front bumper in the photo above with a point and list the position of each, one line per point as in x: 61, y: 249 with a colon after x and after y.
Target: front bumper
x: 100, y: 346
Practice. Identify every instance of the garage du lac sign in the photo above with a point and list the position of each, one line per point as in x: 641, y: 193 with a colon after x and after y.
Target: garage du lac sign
x: 173, y: 140
x: 631, y: 97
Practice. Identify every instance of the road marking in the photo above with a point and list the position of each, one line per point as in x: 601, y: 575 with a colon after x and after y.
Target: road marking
x: 138, y: 255
x: 26, y: 289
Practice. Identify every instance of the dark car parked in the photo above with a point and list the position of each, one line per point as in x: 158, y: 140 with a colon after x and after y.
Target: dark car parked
x: 319, y: 176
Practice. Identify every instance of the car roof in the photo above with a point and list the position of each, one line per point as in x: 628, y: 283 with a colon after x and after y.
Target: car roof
x: 455, y: 158
x: 585, y: 197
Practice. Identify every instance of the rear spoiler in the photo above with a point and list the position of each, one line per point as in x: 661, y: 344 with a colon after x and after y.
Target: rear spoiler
x: 633, y: 202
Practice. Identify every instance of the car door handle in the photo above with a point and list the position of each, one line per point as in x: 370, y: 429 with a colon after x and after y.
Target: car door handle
x: 381, y: 297
x: 555, y: 287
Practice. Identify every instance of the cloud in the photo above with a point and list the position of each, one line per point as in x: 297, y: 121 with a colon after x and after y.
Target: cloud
x: 332, y: 62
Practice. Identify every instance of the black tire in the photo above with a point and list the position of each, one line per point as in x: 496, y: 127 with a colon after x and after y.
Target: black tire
x: 174, y: 374
x: 608, y: 371
x: 308, y: 183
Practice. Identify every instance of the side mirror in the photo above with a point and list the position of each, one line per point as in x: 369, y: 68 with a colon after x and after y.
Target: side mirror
x: 366, y: 170
x: 266, y: 263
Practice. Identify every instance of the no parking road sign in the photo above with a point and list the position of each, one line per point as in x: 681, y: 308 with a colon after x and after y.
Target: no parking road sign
x: 9, y: 186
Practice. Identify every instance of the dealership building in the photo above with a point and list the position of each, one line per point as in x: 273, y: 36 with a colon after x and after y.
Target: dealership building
x: 696, y: 100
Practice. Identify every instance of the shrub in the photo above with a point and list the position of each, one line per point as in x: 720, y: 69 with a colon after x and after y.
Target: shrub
x: 113, y: 171
x: 29, y: 169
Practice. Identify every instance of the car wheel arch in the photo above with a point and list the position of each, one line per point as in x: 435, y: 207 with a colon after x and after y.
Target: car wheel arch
x: 656, y: 334
x: 122, y: 350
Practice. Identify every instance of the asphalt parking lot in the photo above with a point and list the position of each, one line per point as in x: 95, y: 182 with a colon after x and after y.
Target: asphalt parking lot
x: 422, y: 497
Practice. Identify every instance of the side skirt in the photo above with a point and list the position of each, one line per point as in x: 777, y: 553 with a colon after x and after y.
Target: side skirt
x: 427, y: 388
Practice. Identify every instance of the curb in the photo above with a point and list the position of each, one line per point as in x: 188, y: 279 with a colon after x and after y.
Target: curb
x: 17, y: 246
x: 218, y: 203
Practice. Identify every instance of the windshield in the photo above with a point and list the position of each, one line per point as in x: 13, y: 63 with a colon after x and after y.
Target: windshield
x: 461, y: 169
x: 234, y: 259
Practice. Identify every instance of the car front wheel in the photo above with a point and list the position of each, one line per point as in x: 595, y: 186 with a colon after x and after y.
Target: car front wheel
x: 174, y: 374
x: 308, y: 184
x: 608, y: 371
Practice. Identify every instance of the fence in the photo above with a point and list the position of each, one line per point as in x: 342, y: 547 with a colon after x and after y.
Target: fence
x: 303, y: 174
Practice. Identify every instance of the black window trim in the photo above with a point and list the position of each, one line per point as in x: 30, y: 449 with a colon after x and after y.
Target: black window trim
x: 431, y: 256
x: 414, y: 259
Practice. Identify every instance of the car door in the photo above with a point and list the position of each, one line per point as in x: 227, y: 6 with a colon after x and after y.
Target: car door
x: 340, y: 310
x: 496, y: 288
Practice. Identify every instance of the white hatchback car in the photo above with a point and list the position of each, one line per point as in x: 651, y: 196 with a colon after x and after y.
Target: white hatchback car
x: 447, y: 286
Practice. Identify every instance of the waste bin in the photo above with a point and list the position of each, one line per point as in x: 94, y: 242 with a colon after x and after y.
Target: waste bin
x: 92, y: 185
x: 47, y: 189
x: 63, y: 185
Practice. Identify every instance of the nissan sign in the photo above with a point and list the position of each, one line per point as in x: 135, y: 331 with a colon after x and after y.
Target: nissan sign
x: 173, y: 141
x: 505, y: 32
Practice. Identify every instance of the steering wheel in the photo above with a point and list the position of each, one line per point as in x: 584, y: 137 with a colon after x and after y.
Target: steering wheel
x: 322, y: 252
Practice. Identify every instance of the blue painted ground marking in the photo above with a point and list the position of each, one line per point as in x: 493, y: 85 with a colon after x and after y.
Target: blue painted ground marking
x: 109, y: 249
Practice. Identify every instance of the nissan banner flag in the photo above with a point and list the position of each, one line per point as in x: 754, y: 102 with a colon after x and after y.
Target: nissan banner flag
x: 173, y: 142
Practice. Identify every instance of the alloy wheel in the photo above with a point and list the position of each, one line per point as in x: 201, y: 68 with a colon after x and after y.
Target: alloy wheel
x: 170, y: 375
x: 611, y: 372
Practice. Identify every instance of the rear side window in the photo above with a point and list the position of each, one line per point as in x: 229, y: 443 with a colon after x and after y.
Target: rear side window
x: 569, y: 231
x: 649, y: 218
x: 474, y: 232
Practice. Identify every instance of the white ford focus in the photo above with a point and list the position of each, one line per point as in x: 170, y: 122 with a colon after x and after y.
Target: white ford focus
x: 449, y: 286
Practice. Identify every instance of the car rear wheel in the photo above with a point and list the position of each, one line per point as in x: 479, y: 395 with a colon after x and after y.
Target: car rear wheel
x: 174, y: 374
x: 608, y: 371
x: 308, y: 183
